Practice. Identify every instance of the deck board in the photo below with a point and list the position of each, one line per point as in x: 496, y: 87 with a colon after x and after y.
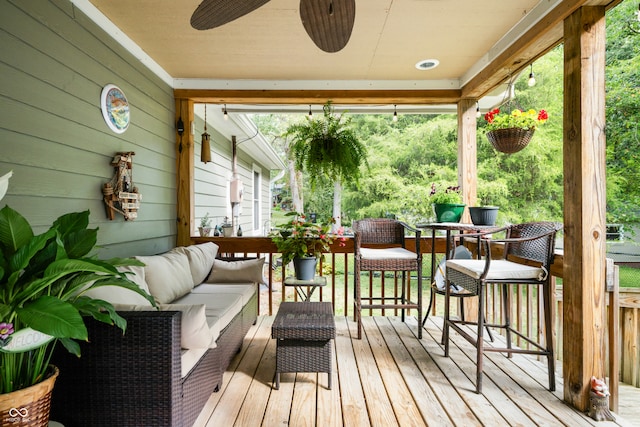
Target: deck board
x: 389, y: 378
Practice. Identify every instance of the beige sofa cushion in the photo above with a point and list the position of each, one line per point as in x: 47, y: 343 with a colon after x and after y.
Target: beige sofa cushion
x: 237, y: 271
x: 197, y: 330
x: 245, y: 290
x: 168, y: 275
x: 118, y: 295
x: 201, y: 258
x: 224, y: 306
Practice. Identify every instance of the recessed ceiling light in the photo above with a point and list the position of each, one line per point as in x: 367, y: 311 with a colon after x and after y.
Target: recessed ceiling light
x: 427, y: 64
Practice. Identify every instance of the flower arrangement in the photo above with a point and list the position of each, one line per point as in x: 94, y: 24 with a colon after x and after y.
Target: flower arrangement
x: 517, y: 119
x: 301, y: 238
x: 449, y: 196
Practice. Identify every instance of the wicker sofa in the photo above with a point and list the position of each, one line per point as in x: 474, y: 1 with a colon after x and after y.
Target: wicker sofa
x: 164, y: 368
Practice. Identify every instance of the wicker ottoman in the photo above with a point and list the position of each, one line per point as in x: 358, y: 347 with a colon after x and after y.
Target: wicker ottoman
x: 303, y: 331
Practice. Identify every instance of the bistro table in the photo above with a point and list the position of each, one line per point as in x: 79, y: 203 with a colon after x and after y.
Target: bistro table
x: 310, y: 285
x: 447, y: 227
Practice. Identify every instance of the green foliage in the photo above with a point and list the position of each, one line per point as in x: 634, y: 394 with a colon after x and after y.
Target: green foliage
x: 327, y: 148
x: 42, y: 282
x: 623, y: 113
x: 406, y: 156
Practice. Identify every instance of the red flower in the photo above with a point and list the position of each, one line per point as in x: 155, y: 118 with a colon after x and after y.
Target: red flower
x: 542, y: 115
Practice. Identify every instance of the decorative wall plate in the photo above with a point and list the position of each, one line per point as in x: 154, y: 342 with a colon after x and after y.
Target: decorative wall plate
x: 115, y: 108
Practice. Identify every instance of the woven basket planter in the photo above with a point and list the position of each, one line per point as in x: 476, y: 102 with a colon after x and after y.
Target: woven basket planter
x: 29, y: 406
x: 510, y: 140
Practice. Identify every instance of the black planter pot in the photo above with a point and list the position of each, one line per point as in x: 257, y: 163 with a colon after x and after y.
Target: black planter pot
x: 484, y: 215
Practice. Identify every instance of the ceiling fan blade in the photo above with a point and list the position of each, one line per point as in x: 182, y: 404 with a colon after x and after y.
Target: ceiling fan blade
x: 328, y: 22
x: 214, y: 13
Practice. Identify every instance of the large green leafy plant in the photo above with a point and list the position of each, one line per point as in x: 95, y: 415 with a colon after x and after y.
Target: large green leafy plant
x: 43, y: 280
x: 301, y: 238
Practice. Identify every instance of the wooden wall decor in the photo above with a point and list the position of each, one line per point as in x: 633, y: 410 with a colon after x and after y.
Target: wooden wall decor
x: 120, y: 195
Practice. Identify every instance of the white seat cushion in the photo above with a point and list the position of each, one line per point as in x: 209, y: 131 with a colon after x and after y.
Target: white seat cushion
x: 498, y: 270
x: 225, y: 306
x: 245, y: 290
x: 387, y: 253
x: 189, y: 359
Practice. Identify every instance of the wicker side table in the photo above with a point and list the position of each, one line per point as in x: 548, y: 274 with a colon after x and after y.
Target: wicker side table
x: 303, y: 331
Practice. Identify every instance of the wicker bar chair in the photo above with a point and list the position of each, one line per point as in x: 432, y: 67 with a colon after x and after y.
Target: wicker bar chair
x: 380, y: 246
x: 531, y: 244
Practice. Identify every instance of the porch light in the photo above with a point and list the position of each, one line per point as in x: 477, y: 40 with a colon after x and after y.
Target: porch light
x: 205, y: 147
x: 395, y: 113
x: 224, y: 114
x: 478, y: 110
x: 427, y: 64
x: 532, y: 79
x: 310, y: 113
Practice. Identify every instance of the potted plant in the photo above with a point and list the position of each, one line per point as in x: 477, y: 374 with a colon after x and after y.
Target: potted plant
x: 302, y: 242
x: 328, y: 148
x: 43, y: 279
x: 205, y: 225
x: 447, y: 203
x: 511, y: 132
x: 227, y: 228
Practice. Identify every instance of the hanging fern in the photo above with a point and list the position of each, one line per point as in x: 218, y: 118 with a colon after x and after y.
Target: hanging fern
x: 327, y: 148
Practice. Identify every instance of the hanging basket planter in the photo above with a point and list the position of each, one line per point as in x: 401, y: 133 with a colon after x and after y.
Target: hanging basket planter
x: 510, y: 140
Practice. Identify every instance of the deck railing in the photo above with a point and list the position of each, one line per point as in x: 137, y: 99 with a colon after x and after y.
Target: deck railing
x: 527, y: 305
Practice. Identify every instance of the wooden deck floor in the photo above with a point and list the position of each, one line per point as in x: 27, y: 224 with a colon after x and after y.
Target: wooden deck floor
x: 389, y: 378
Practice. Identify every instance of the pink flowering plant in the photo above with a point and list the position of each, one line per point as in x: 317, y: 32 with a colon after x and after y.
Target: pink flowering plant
x: 301, y: 238
x: 516, y: 119
x: 450, y: 195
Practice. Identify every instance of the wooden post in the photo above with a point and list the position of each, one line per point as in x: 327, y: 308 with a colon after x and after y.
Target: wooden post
x: 584, y: 203
x: 468, y: 174
x: 184, y: 173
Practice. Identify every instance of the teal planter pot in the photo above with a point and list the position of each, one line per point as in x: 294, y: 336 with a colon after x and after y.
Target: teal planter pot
x: 305, y: 268
x: 448, y: 212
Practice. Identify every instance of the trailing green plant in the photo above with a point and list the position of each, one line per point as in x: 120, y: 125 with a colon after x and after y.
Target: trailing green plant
x: 43, y: 281
x: 327, y: 147
x: 301, y: 238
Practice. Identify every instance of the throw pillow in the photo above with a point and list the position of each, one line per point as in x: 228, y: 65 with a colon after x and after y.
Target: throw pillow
x: 237, y: 271
x: 168, y: 276
x: 201, y: 258
x: 195, y: 332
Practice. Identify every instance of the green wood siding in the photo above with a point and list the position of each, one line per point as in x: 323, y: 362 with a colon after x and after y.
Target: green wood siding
x: 54, y: 62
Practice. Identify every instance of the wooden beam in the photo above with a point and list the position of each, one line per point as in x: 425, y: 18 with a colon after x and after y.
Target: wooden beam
x: 383, y: 96
x: 184, y: 175
x: 584, y: 149
x: 468, y: 174
x: 537, y: 41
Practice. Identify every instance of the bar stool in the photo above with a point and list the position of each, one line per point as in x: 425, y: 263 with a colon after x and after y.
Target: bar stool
x: 531, y: 244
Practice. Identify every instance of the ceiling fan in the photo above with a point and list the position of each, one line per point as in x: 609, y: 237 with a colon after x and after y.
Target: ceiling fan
x: 328, y: 22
